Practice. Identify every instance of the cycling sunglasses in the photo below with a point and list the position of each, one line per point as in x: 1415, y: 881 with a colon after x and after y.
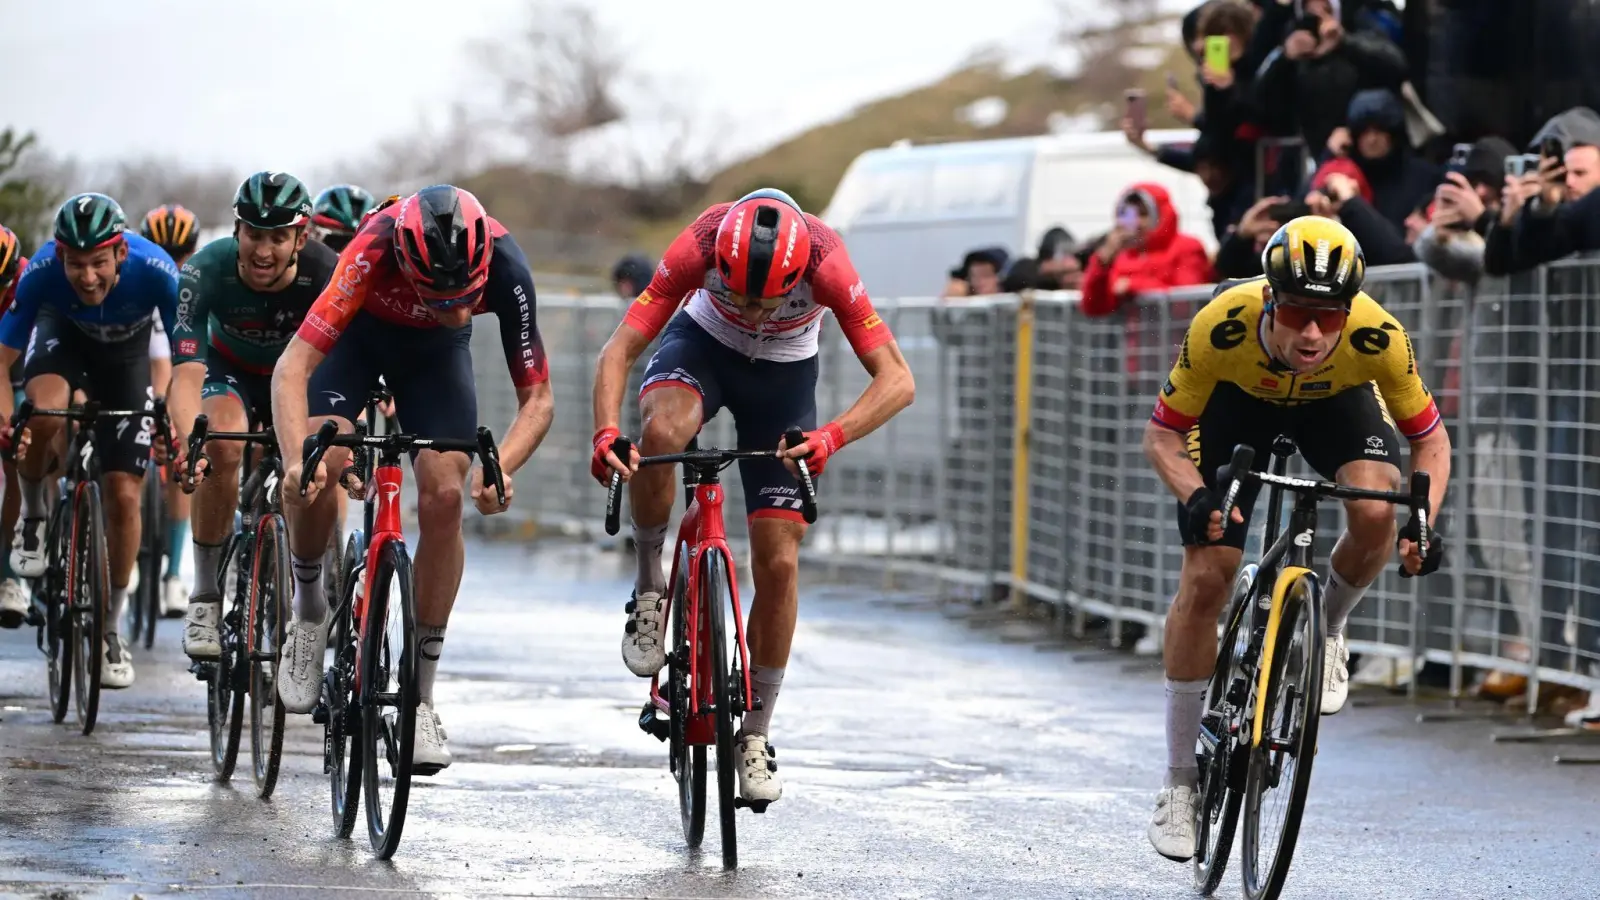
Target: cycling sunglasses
x: 1329, y: 319
x: 446, y: 303
x: 740, y: 301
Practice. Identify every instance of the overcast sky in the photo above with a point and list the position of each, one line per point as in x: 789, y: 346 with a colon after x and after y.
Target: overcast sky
x: 301, y: 84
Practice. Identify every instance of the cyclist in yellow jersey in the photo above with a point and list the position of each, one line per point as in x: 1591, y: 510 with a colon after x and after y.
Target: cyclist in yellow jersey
x: 1301, y: 352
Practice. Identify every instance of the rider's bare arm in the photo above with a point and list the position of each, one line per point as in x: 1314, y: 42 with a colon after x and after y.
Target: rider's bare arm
x: 1168, y: 452
x: 1431, y: 453
x: 536, y: 408
x: 289, y: 407
x: 617, y: 357
x: 188, y: 379
x: 891, y: 390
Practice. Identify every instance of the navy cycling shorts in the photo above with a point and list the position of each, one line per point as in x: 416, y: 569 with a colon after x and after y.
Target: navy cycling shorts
x: 766, y: 399
x: 429, y: 371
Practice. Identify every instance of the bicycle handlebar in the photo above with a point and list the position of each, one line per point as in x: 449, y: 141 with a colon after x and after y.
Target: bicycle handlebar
x: 1237, y: 471
x: 202, y: 433
x: 316, y: 445
x: 622, y: 447
x: 89, y: 413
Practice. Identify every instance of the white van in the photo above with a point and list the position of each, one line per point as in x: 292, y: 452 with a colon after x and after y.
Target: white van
x: 908, y: 213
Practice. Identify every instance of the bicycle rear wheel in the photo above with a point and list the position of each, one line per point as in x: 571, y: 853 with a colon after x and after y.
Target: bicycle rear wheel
x: 342, y: 730
x: 388, y: 698
x: 225, y: 691
x: 1217, y: 807
x: 688, y: 760
x: 90, y: 589
x: 1280, y: 768
x: 269, y: 596
x: 59, y: 619
x: 715, y: 598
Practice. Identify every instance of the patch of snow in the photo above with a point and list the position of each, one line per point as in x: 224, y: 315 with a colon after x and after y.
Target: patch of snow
x: 984, y: 113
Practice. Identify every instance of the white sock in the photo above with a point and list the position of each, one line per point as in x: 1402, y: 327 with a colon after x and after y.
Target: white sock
x: 430, y: 643
x: 764, y: 683
x: 32, y: 498
x: 649, y: 541
x: 207, y: 560
x: 309, y: 604
x: 1186, y: 706
x: 119, y: 607
x: 1339, y: 599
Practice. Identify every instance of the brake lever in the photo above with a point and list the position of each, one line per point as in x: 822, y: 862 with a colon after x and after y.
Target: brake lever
x: 19, y: 421
x: 1421, y: 482
x: 490, y: 456
x: 197, y: 440
x: 312, y: 450
x: 623, y: 448
x: 794, y: 437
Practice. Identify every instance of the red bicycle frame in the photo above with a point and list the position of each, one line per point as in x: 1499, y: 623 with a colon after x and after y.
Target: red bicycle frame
x: 703, y: 530
x: 388, y: 479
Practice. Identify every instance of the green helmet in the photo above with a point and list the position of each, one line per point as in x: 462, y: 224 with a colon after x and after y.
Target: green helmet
x: 88, y: 221
x: 272, y: 200
x: 339, y: 209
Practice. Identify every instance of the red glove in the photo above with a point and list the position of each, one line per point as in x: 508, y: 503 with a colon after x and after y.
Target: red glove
x: 824, y: 442
x: 598, y: 467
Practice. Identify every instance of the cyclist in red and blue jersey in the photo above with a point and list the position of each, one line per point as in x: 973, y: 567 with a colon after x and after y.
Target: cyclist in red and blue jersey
x: 13, y: 596
x: 754, y: 279
x: 83, y: 311
x: 401, y: 306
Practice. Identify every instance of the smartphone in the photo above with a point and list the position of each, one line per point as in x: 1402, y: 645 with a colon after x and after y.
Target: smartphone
x: 1309, y: 22
x: 1218, y: 58
x: 1459, y: 154
x: 1551, y: 147
x: 1523, y: 164
x: 1136, y: 108
x: 1128, y: 218
x: 1172, y: 82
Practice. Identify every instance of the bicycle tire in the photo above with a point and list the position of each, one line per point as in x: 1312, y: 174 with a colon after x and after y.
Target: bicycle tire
x: 147, y: 600
x: 224, y: 694
x: 377, y: 731
x: 268, y: 602
x: 715, y: 595
x: 342, y: 730
x: 1217, y: 807
x: 688, y: 761
x: 1301, y: 604
x: 59, y: 620
x: 91, y: 591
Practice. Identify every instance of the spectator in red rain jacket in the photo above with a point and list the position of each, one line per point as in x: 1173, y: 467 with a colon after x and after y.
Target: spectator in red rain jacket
x: 1144, y: 252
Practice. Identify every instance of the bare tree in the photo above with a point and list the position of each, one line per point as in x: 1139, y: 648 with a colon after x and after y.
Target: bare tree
x: 142, y: 184
x: 1101, y: 35
x: 32, y: 183
x: 557, y: 75
x: 424, y: 156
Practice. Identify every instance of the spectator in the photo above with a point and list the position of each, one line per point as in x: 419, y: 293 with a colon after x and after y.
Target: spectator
x: 1305, y: 86
x: 1338, y: 191
x: 1239, y: 254
x: 979, y: 274
x: 631, y: 275
x: 1399, y: 180
x: 1056, y: 268
x: 1144, y: 252
x: 1563, y: 216
x: 1464, y: 205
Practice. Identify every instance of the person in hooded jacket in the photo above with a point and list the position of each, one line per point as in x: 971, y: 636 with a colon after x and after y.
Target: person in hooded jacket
x: 1379, y: 145
x: 1144, y: 252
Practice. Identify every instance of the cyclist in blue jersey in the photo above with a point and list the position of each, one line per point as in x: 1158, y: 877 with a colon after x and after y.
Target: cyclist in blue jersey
x: 86, y: 299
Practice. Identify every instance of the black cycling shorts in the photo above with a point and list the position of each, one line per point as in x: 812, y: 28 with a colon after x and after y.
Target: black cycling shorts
x: 1330, y: 432
x: 766, y: 398
x: 253, y: 390
x: 115, y: 374
x: 429, y: 370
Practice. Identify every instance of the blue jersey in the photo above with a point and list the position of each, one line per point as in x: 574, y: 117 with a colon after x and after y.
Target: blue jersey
x: 147, y: 283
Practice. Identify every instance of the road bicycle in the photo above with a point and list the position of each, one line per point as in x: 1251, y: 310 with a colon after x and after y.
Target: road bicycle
x: 703, y: 694
x: 1258, y: 737
x: 70, y: 598
x: 256, y: 573
x: 368, y: 703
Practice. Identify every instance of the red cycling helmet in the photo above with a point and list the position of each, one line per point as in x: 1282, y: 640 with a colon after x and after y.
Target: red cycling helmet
x: 441, y: 237
x: 763, y: 244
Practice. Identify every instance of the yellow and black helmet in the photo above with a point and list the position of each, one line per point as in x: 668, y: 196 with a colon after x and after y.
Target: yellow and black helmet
x: 172, y: 228
x: 10, y: 256
x: 1315, y: 258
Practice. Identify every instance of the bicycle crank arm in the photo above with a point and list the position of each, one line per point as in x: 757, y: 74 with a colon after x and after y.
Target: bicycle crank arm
x: 652, y: 724
x: 755, y: 806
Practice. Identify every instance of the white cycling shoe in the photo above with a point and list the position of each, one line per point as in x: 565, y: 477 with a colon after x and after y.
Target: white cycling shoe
x: 758, y: 771
x: 430, y: 752
x: 300, y: 665
x: 174, y: 598
x: 27, y: 548
x: 642, y: 648
x: 13, y: 603
x: 116, y: 665
x: 200, y: 637
x: 1335, y: 675
x: 1172, y: 827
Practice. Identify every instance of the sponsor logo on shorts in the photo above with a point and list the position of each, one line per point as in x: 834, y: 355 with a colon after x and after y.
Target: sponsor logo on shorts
x: 1375, y: 447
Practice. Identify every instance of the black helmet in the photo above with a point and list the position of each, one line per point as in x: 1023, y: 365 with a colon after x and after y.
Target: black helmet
x: 88, y: 221
x: 635, y: 269
x: 272, y: 200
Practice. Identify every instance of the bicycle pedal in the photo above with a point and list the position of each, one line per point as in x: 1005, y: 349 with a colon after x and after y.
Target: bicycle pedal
x: 651, y: 723
x: 425, y: 771
x: 203, y: 671
x: 319, y: 714
x: 756, y: 806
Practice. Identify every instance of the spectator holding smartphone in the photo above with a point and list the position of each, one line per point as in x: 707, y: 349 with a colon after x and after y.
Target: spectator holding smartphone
x: 1465, y: 205
x: 1239, y: 253
x: 1563, y: 215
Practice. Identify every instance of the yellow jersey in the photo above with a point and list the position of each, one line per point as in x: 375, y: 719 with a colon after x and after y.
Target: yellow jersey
x: 1225, y: 343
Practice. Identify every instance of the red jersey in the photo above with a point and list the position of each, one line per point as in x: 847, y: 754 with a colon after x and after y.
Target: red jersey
x: 688, y: 272
x: 368, y: 279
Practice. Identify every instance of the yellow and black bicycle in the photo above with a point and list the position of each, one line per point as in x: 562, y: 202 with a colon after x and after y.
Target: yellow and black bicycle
x: 1259, y: 734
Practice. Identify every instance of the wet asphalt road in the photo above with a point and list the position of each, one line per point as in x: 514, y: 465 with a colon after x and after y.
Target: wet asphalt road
x: 923, y: 758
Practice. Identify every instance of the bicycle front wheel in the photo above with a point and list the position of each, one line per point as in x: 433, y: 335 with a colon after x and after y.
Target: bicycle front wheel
x: 146, y: 605
x: 388, y: 697
x: 59, y: 619
x: 229, y: 679
x: 1217, y: 808
x: 1280, y: 767
x: 688, y: 760
x: 342, y: 730
x: 715, y: 598
x: 90, y: 590
x: 270, y: 592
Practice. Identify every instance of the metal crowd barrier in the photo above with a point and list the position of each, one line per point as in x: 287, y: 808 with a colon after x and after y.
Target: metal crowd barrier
x: 1018, y: 472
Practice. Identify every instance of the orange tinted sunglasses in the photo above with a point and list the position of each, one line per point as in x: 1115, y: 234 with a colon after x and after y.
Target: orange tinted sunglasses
x: 1328, y: 319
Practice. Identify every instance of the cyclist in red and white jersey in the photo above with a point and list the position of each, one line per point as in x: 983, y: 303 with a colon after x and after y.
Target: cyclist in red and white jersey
x: 754, y: 279
x: 401, y: 306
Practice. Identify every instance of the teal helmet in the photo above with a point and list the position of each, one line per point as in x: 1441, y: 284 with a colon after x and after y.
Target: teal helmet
x: 272, y: 200
x: 88, y: 221
x: 340, y: 209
